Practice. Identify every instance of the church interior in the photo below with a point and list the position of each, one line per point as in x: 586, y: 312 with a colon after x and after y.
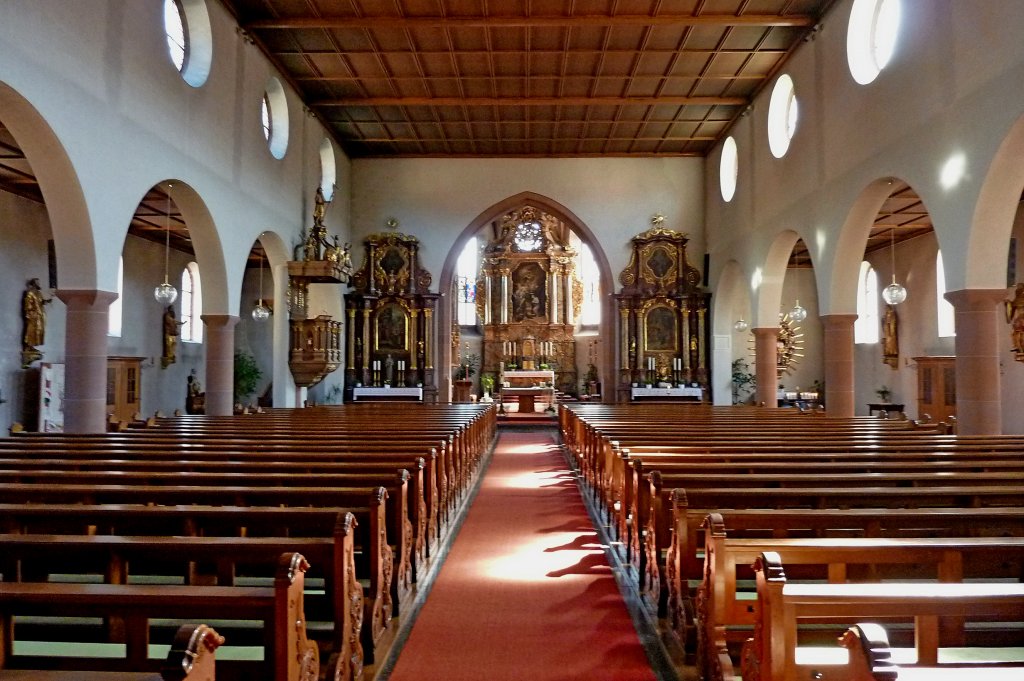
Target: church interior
x: 461, y: 215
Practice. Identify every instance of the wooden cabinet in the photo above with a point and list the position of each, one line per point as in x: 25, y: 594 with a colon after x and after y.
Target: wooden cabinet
x: 936, y: 387
x: 124, y: 387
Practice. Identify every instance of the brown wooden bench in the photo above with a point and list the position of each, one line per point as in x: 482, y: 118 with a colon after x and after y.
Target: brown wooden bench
x: 722, y: 612
x: 191, y: 658
x: 291, y: 656
x: 118, y: 559
x: 772, y: 652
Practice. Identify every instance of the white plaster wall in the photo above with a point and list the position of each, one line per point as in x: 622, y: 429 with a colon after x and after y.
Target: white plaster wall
x: 948, y: 90
x: 128, y: 121
x: 435, y: 199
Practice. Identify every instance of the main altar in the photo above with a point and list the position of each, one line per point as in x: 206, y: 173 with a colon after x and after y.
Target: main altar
x: 528, y: 298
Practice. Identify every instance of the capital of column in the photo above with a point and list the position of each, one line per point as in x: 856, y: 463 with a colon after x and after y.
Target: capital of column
x: 976, y: 299
x: 81, y: 298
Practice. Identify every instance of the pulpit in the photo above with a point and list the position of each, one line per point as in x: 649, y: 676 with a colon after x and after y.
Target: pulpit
x: 315, y: 344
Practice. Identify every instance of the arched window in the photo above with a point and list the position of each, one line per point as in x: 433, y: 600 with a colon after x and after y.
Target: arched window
x: 590, y: 311
x: 191, y: 305
x: 946, y: 318
x: 865, y: 329
x: 174, y: 27
x: 117, y: 307
x: 465, y: 283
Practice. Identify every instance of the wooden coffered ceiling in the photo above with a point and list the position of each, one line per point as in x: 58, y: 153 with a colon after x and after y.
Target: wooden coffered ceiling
x: 535, y: 78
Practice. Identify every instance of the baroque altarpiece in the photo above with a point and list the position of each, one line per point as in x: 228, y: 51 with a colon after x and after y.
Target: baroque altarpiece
x: 664, y: 331
x: 390, y: 312
x: 529, y: 296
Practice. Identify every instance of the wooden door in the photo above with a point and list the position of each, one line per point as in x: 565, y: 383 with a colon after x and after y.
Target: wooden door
x: 124, y: 387
x: 936, y: 387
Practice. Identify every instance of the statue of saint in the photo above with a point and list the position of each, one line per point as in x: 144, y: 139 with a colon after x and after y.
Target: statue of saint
x: 1015, y: 318
x: 319, y: 208
x: 890, y: 337
x: 33, y: 310
x: 172, y: 328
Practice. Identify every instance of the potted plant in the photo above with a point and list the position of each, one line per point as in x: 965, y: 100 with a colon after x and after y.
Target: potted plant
x: 487, y: 383
x: 247, y: 376
x: 465, y: 370
x: 744, y: 382
x: 884, y: 394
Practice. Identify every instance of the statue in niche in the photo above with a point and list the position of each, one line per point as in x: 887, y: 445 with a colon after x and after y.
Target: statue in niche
x: 1015, y: 318
x: 890, y: 337
x: 33, y: 310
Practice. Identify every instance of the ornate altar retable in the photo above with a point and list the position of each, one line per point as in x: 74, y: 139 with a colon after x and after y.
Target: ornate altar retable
x: 664, y: 334
x: 391, y: 319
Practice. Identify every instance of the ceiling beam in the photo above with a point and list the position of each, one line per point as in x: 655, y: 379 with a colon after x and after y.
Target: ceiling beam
x: 575, y: 21
x: 532, y: 101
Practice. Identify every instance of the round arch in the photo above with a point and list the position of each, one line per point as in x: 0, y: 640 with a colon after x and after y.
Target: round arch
x: 731, y: 302
x: 541, y: 202
x: 62, y: 191
x: 768, y: 280
x: 840, y: 295
x: 219, y: 297
x: 995, y: 211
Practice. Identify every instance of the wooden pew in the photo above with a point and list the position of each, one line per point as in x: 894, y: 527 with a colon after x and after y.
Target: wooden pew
x: 373, y: 626
x: 685, y: 560
x: 721, y: 612
x: 291, y: 655
x: 870, y: 658
x: 190, y: 658
x: 771, y: 655
x: 399, y: 523
x: 118, y: 558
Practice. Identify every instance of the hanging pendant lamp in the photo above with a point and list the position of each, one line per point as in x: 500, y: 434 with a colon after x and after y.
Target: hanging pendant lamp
x: 165, y: 293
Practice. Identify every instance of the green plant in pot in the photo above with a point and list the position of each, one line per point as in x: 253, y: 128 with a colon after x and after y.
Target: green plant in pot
x: 247, y: 376
x: 487, y: 383
x: 884, y: 393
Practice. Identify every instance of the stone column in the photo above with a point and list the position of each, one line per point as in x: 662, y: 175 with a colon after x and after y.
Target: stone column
x: 979, y: 321
x: 838, y: 359
x: 85, y: 359
x: 220, y: 363
x: 766, y: 357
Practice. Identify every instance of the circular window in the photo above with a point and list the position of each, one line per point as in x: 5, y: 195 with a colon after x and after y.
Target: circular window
x: 728, y: 169
x: 328, y: 169
x: 871, y: 37
x: 274, y: 117
x: 189, y: 39
x: 782, y: 116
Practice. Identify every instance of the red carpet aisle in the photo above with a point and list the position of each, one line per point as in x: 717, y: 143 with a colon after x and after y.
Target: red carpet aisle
x: 526, y: 591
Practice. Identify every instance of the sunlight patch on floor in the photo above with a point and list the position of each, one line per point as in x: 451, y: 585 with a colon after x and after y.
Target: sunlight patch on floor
x: 534, y: 561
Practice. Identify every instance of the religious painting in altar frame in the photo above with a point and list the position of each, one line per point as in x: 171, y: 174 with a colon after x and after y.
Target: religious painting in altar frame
x: 658, y: 264
x: 529, y: 292
x: 392, y: 328
x: 660, y: 329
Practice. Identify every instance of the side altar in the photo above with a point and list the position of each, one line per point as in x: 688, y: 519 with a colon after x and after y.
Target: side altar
x: 664, y: 331
x: 391, y: 327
